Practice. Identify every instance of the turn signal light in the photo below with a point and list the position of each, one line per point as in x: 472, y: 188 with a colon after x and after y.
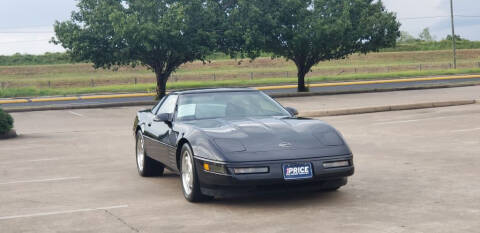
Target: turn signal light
x: 206, y: 167
x: 214, y: 168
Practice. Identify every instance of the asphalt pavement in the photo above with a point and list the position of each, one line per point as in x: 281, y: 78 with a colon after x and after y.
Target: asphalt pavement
x: 416, y: 171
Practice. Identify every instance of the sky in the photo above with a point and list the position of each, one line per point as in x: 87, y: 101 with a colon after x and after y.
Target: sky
x: 26, y: 26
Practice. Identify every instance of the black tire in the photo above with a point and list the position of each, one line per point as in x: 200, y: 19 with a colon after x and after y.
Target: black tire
x: 146, y: 167
x: 192, y: 194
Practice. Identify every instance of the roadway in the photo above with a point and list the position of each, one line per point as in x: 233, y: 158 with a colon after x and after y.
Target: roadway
x: 321, y: 88
x: 74, y: 171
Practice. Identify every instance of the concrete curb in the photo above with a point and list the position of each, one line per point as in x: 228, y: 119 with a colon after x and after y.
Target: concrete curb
x: 278, y: 95
x: 83, y: 106
x: 338, y: 112
x: 405, y: 80
x: 423, y: 87
x: 374, y: 109
x: 69, y: 98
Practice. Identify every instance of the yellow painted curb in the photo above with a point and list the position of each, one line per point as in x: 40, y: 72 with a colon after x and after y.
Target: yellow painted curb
x: 54, y: 99
x: 16, y: 101
x: 371, y: 82
x: 276, y: 87
x: 13, y: 101
x: 116, y: 96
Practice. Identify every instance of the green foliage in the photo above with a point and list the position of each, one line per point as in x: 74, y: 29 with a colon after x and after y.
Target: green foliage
x: 6, y: 122
x: 433, y: 45
x: 457, y: 38
x: 161, y: 34
x: 309, y: 31
x: 426, y: 42
x: 27, y: 59
x: 425, y: 35
x: 406, y: 37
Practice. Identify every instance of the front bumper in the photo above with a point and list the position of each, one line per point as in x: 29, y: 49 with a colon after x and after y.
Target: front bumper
x: 222, y: 185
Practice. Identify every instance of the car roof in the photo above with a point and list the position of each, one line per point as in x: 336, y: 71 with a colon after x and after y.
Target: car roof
x: 213, y: 90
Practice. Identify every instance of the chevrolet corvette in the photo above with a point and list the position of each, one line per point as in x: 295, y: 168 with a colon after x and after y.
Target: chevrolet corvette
x: 238, y: 141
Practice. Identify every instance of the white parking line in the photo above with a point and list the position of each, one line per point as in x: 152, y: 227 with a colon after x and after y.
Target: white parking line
x: 42, y: 180
x: 396, y: 122
x: 465, y: 130
x: 62, y: 212
x: 407, y: 121
x: 33, y: 160
x: 76, y: 114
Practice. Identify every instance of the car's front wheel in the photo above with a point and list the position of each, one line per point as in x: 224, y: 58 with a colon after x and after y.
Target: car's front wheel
x: 146, y: 166
x: 190, y: 184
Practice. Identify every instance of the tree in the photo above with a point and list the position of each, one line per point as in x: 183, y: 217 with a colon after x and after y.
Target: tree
x: 6, y: 122
x: 406, y: 37
x: 160, y: 34
x: 310, y: 31
x: 457, y: 38
x: 425, y: 35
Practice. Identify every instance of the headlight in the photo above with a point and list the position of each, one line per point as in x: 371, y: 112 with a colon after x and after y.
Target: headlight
x: 229, y: 145
x: 250, y: 170
x: 214, y: 168
x: 330, y: 138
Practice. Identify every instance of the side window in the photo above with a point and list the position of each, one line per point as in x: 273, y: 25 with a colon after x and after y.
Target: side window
x: 168, y: 105
x: 155, y: 109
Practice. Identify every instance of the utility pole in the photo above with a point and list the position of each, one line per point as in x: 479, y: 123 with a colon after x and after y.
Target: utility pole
x: 453, y: 37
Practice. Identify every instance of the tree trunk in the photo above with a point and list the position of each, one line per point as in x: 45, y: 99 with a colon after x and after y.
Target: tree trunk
x: 302, y: 71
x: 301, y: 82
x: 161, y: 84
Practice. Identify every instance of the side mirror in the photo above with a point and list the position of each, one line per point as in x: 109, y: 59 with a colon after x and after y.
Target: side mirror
x: 163, y: 117
x: 292, y: 111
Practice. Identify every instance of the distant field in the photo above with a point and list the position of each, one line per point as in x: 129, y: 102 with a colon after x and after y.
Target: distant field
x: 82, y: 78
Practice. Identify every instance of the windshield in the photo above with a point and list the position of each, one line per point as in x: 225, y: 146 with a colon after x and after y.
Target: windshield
x: 227, y: 105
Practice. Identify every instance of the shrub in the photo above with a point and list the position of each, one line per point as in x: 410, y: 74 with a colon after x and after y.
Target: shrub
x: 6, y: 122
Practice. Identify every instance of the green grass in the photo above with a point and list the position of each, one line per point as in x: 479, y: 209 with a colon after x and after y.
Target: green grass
x: 80, y: 75
x: 434, y: 45
x: 33, y: 91
x: 68, y: 79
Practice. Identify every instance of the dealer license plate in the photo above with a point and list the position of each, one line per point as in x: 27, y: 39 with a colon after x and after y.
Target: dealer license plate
x: 297, y: 171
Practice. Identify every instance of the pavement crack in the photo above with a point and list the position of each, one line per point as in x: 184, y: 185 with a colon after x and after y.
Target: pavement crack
x: 122, y: 221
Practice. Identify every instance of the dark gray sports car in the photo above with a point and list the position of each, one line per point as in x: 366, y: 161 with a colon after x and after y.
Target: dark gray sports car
x: 227, y: 142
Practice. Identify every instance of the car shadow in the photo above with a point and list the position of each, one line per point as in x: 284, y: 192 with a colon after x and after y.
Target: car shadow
x: 284, y: 199
x: 274, y: 199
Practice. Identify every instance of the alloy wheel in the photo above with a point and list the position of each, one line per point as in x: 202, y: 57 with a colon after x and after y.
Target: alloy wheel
x: 187, y: 172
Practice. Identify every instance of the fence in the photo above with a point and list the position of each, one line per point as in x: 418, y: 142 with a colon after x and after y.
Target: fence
x: 320, y: 71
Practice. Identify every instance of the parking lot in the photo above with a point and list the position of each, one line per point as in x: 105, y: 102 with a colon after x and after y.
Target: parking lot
x: 74, y: 171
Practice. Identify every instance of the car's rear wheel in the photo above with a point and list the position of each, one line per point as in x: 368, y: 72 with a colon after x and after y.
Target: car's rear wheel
x: 146, y: 166
x: 190, y: 184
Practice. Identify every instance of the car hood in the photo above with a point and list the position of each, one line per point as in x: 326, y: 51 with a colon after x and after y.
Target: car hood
x: 252, y: 135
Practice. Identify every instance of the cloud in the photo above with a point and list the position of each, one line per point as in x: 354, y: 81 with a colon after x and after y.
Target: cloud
x: 37, y: 17
x: 33, y: 40
x: 26, y: 26
x: 410, y: 12
x: 33, y: 13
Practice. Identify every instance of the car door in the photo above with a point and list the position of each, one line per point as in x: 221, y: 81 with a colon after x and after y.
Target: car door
x: 160, y: 133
